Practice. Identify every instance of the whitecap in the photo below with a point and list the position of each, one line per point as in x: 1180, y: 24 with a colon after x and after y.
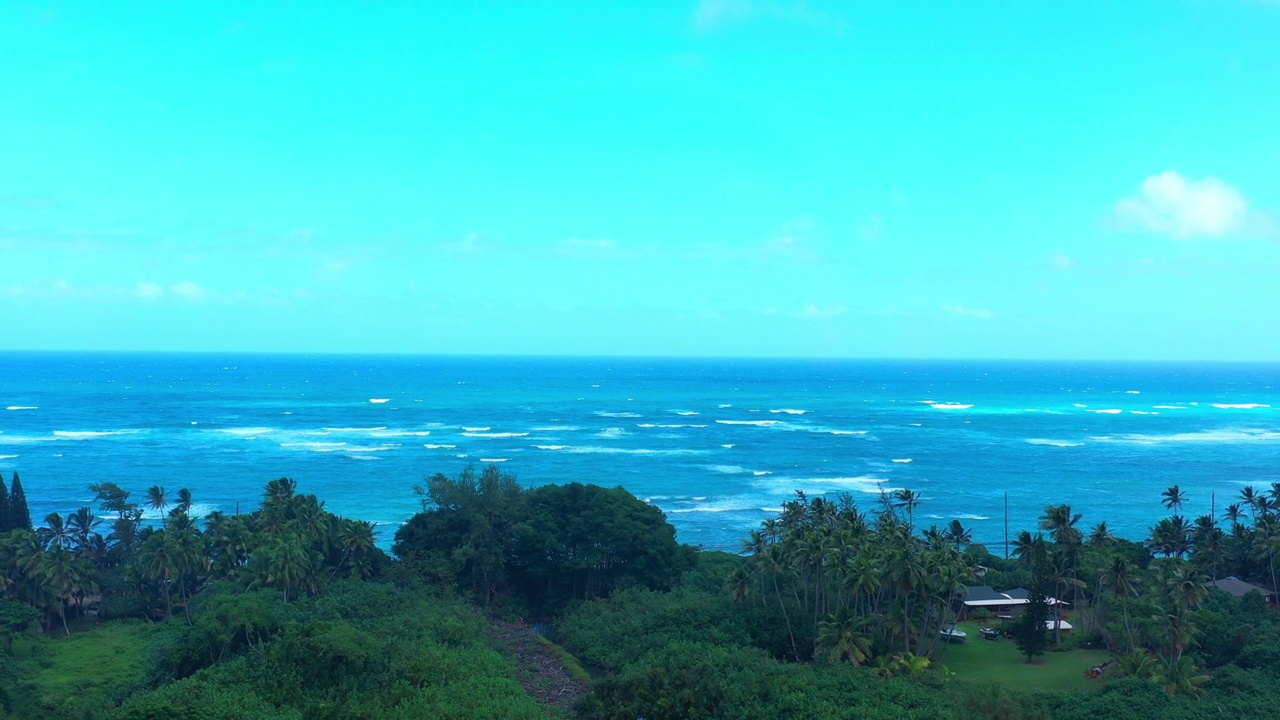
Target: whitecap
x: 315, y: 446
x: 476, y: 429
x: 602, y: 450
x: 685, y: 412
x: 1242, y: 435
x: 761, y: 473
x: 949, y: 406
x: 1053, y: 443
x: 757, y: 423
x: 400, y: 433
x: 360, y: 457
x: 613, y: 432
x: 89, y: 434
x: 727, y: 469
x: 379, y: 401
x: 246, y: 431
x: 1170, y: 407
x: 846, y: 432
x: 771, y: 509
x: 551, y: 447
x: 1143, y: 412
x: 861, y: 483
x: 1240, y: 406
x: 494, y: 460
x: 1079, y: 405
x: 372, y: 448
x: 494, y: 434
x: 901, y: 460
x: 916, y: 424
x: 646, y: 425
x: 1108, y: 411
x: 727, y: 446
x: 7, y: 457
x: 970, y: 516
x: 355, y: 429
x: 725, y: 405
x: 1132, y: 392
x: 556, y: 428
x: 681, y: 426
x: 603, y: 413
x: 22, y: 407
x: 434, y: 446
x: 789, y: 411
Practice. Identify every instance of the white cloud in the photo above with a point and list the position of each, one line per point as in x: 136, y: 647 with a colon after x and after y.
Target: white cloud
x: 148, y: 291
x: 814, y: 312
x: 981, y: 313
x: 188, y: 291
x: 1173, y: 205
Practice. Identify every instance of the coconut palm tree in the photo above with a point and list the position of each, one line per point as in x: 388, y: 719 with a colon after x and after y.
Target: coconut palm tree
x: 156, y: 499
x: 1173, y: 498
x: 160, y: 562
x: 1121, y: 579
x: 843, y: 637
x: 184, y: 501
x: 958, y: 535
x: 54, y: 533
x: 82, y: 525
x: 908, y: 500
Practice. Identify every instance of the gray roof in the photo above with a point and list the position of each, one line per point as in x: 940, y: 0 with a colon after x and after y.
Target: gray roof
x: 982, y: 593
x: 1239, y: 588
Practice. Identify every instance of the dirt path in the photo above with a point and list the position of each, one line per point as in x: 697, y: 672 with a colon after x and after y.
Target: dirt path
x: 541, y: 673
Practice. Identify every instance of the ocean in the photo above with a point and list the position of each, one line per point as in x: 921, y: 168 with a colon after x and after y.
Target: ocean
x: 718, y: 444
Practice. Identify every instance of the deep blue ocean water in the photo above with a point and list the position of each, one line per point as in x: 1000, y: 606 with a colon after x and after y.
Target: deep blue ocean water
x: 717, y: 444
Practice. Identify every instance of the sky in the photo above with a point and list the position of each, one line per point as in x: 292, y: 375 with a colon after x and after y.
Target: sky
x: 1086, y: 180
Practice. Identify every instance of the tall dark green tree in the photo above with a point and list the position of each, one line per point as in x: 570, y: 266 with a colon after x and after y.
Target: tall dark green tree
x: 19, y: 514
x: 1030, y: 632
x: 4, y: 507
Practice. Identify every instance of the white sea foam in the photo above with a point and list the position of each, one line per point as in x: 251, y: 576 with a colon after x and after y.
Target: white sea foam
x: 727, y: 469
x: 861, y: 483
x: 1132, y: 392
x: 1108, y: 411
x: 603, y: 413
x: 361, y: 457
x: 315, y: 446
x: 757, y: 423
x: 846, y: 432
x: 355, y: 429
x: 1170, y: 407
x: 771, y: 509
x: 1053, y: 443
x: 1242, y: 435
x: 724, y: 405
x: 379, y: 401
x: 680, y: 426
x: 902, y: 460
x: 494, y: 434
x: 22, y: 407
x: 916, y: 424
x: 1079, y: 405
x: 494, y: 460
x: 613, y: 432
x: 603, y: 450
x: 789, y: 411
x: 435, y: 446
x: 1143, y: 412
x: 372, y: 448
x: 556, y: 428
x: 400, y: 433
x: 1240, y: 406
x: 646, y: 425
x: 970, y: 516
x: 950, y: 406
x: 685, y: 412
x: 476, y: 429
x: 7, y: 457
x: 761, y: 473
x: 551, y: 447
x: 727, y: 446
x: 89, y: 434
x: 246, y: 431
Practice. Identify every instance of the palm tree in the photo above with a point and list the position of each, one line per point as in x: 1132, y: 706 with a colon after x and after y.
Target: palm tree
x: 1173, y: 498
x: 908, y: 500
x: 958, y: 535
x: 1120, y: 579
x: 159, y: 562
x: 184, y: 501
x: 54, y: 533
x: 156, y: 499
x: 843, y: 637
x: 59, y: 574
x: 82, y: 524
x: 1181, y: 678
x: 1250, y: 497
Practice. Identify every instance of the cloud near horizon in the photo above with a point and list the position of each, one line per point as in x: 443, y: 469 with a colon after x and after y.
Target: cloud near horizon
x: 1182, y: 208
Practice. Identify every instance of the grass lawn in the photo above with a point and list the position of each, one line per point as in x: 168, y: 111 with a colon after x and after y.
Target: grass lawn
x: 1000, y: 661
x: 62, y: 673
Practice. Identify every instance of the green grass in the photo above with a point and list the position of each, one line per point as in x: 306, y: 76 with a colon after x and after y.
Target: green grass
x: 1000, y: 661
x: 65, y: 675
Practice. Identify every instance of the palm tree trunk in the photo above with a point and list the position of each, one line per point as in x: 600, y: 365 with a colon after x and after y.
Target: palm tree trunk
x: 785, y: 617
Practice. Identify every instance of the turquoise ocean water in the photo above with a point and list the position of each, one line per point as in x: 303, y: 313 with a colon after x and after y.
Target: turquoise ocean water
x: 717, y: 444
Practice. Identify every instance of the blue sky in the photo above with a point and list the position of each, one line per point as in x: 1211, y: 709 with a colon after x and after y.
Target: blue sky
x: 724, y: 177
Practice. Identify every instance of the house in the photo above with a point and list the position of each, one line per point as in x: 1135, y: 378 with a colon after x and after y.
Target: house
x: 985, y: 597
x: 1239, y: 588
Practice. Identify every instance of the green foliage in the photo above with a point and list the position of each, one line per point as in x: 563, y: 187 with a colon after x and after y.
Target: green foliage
x: 1029, y: 628
x: 539, y: 549
x: 19, y: 514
